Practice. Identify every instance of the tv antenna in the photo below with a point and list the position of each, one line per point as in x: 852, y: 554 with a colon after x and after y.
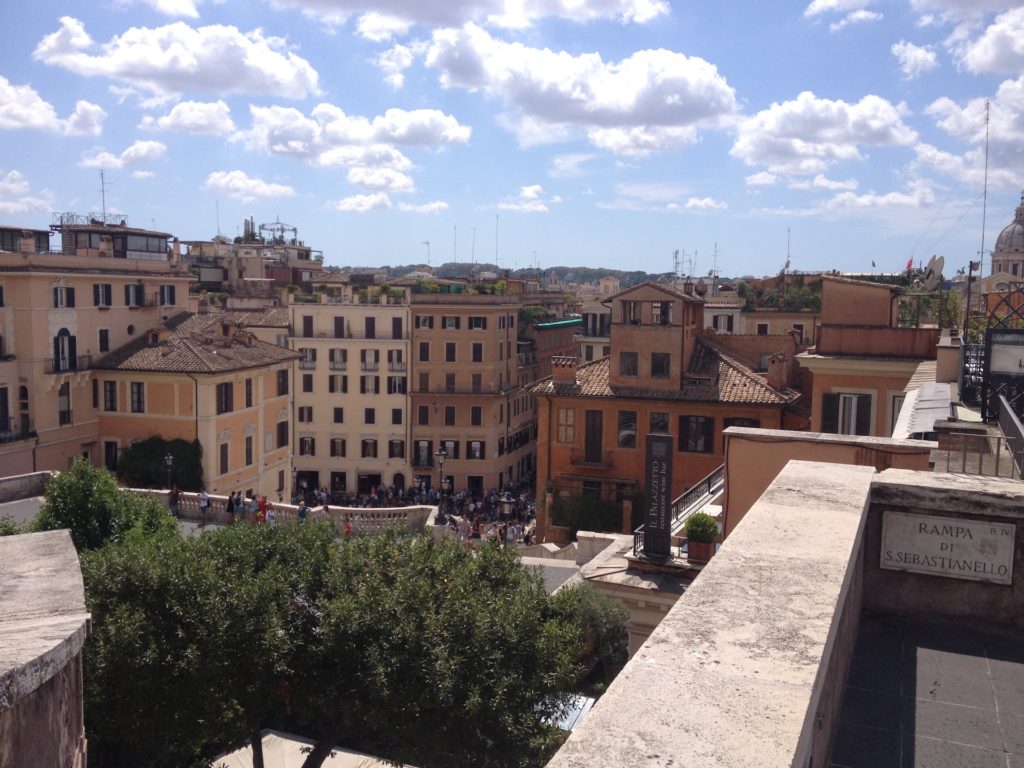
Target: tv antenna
x: 103, y: 194
x: 427, y: 243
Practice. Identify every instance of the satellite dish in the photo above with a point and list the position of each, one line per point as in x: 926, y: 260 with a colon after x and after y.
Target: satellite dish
x: 933, y: 273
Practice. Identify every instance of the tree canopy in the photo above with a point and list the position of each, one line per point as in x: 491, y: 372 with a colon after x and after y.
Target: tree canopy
x: 142, y: 465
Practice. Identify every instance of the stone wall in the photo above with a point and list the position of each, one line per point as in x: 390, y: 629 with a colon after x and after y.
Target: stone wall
x: 23, y: 486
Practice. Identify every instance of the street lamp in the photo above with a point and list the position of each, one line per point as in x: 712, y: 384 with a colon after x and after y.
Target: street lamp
x: 507, y: 503
x: 441, y: 455
x: 169, y: 461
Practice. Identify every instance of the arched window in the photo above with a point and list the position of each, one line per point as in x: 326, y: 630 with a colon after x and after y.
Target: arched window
x: 64, y: 351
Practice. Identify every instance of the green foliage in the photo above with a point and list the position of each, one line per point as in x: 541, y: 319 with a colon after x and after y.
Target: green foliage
x: 533, y: 313
x: 602, y: 621
x: 587, y: 512
x: 8, y: 526
x: 142, y: 465
x: 701, y: 526
x: 416, y: 650
x: 87, y: 501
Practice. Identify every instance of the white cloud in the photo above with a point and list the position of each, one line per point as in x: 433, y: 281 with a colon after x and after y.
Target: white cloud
x: 384, y: 179
x: 379, y: 27
x: 529, y: 200
x: 16, y: 198
x: 807, y: 135
x: 999, y: 50
x: 436, y: 206
x: 855, y: 17
x: 143, y: 174
x: 505, y: 13
x: 393, y: 63
x: 761, y: 179
x: 648, y: 196
x: 169, y: 60
x: 649, y: 101
x: 176, y: 8
x: 914, y: 60
x: 373, y: 156
x: 569, y: 166
x: 919, y: 195
x: 819, y: 7
x: 22, y: 107
x: 699, y: 204
x: 213, y: 118
x: 822, y: 182
x: 362, y: 203
x: 955, y: 11
x: 239, y: 185
x: 138, y: 153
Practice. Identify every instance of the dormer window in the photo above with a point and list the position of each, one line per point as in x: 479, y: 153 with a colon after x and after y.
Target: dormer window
x: 661, y: 312
x: 631, y: 312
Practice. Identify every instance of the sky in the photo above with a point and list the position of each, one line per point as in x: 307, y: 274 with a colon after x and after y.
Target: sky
x: 604, y: 133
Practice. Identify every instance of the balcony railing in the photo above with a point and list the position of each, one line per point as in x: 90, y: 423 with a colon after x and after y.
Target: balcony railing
x: 368, y: 365
x: 580, y: 458
x: 396, y: 366
x: 339, y: 365
x: 307, y: 364
x: 692, y: 501
x: 12, y: 430
x: 65, y: 364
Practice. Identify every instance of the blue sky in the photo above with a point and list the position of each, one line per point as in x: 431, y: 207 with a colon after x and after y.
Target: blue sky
x: 603, y: 133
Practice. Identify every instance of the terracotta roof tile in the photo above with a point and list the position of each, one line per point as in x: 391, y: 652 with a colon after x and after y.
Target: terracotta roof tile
x: 194, y: 343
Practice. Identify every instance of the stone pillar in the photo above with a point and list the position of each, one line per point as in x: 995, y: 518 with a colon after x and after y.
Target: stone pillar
x: 543, y: 518
x: 627, y: 516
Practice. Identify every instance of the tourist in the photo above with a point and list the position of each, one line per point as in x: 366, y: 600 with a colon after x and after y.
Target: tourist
x: 303, y: 510
x: 239, y: 507
x: 172, y: 499
x: 271, y: 516
x: 229, y: 507
x: 261, y: 509
x: 204, y: 505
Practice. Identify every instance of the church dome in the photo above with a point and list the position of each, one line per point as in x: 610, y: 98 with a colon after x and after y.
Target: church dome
x: 1011, y: 239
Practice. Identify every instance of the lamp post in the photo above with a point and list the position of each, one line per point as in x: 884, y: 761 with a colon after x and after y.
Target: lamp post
x: 169, y: 461
x: 441, y: 455
x: 507, y: 503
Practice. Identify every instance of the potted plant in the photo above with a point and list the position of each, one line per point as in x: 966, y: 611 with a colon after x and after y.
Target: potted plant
x: 701, y: 532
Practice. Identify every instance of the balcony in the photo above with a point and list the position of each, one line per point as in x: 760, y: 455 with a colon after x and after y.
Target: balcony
x: 339, y: 365
x: 580, y: 458
x: 146, y: 301
x: 396, y: 366
x: 371, y: 366
x: 876, y: 341
x: 12, y: 430
x: 66, y: 364
x: 307, y: 364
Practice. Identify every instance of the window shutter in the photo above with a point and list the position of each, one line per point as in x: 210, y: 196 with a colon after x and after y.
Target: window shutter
x: 56, y: 297
x: 863, y: 414
x: 830, y: 413
x: 709, y: 435
x: 73, y: 352
x: 70, y: 294
x: 728, y: 323
x: 330, y: 384
x: 362, y: 385
x: 56, y: 350
x: 127, y: 295
x: 170, y: 295
x: 96, y: 294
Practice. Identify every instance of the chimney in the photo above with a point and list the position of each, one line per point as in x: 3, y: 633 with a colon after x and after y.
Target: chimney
x: 777, y: 378
x: 563, y: 370
x: 27, y: 244
x: 688, y: 287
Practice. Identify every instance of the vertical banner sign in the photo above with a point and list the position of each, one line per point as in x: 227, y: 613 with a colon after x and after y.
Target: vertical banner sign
x: 658, y: 520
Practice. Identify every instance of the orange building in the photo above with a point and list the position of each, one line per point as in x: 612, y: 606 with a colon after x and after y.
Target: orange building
x: 863, y: 358
x: 202, y: 377
x: 661, y: 377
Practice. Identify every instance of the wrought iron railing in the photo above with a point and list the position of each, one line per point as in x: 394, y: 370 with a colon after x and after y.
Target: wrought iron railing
x: 12, y: 430
x: 65, y: 364
x: 690, y: 502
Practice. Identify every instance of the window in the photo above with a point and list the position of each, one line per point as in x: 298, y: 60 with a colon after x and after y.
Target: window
x: 723, y: 323
x: 339, y: 415
x: 424, y: 453
x: 566, y: 425
x: 424, y: 381
x: 627, y: 363
x: 110, y: 455
x: 63, y: 297
x: 307, y: 382
x: 339, y: 327
x: 896, y: 405
x: 449, y: 382
x: 338, y: 359
x: 369, y: 385
x: 762, y: 329
x: 282, y: 434
x: 369, y: 448
x: 133, y: 295
x: 167, y: 296
x: 223, y: 467
x: 762, y: 361
x: 369, y: 359
x: 659, y: 422
x: 248, y: 450
x: 65, y: 351
x: 631, y: 312
x: 449, y: 415
x: 307, y: 357
x: 423, y: 416
x: 396, y: 415
x: 109, y: 395
x: 64, y: 404
x: 395, y: 362
x: 660, y: 365
x: 396, y: 385
x: 248, y: 393
x: 396, y: 449
x: 478, y: 352
x: 661, y: 313
x: 846, y: 413
x: 225, y: 394
x: 396, y: 327
x: 424, y: 321
x: 104, y: 340
x: 799, y: 328
x: 138, y: 391
x: 450, y: 322
x: 369, y: 415
x: 627, y: 429
x: 695, y: 435
x: 338, y: 447
x: 477, y: 323
x: 476, y: 415
x: 370, y: 327
x: 102, y: 295
x: 306, y: 414
x: 449, y: 352
x: 307, y: 326
x: 475, y: 449
x: 282, y: 383
x: 477, y: 383
x: 337, y: 383
x: 307, y: 446
x: 424, y: 351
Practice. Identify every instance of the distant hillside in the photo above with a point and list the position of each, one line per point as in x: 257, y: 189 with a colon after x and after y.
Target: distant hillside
x: 565, y: 274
